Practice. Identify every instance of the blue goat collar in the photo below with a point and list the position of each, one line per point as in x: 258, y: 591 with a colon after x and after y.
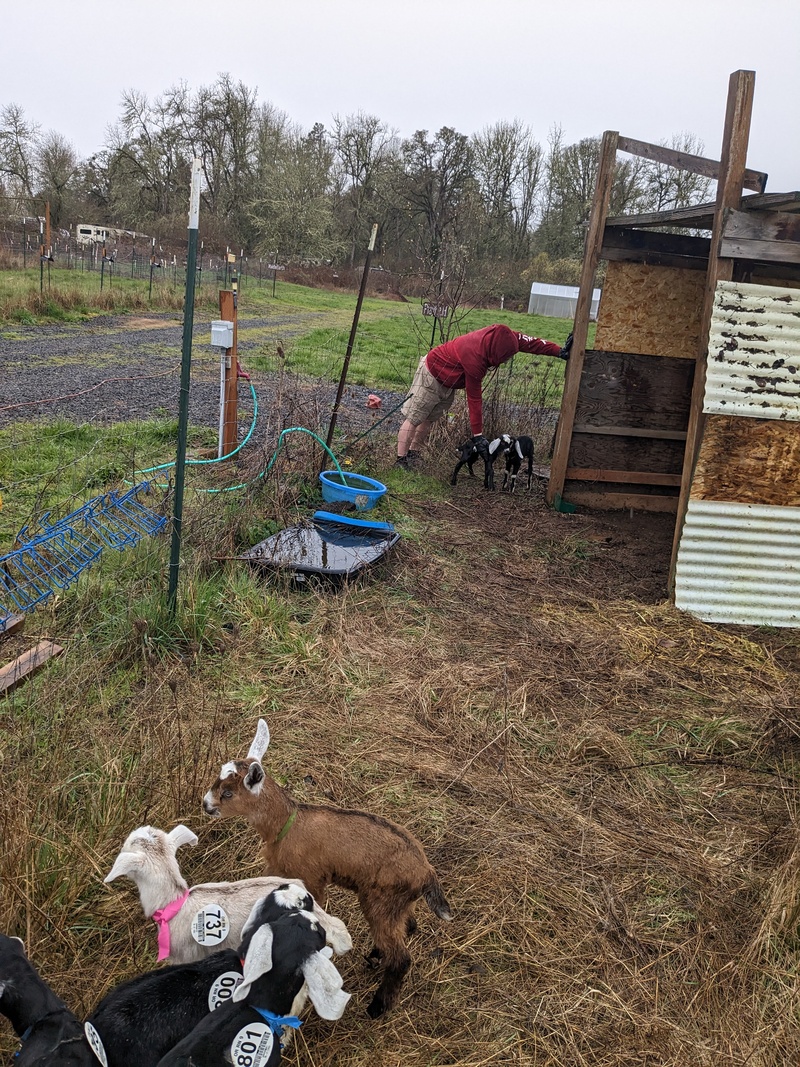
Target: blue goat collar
x: 276, y: 1022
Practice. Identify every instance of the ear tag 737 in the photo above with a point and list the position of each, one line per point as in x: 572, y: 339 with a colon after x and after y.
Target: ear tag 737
x: 210, y: 926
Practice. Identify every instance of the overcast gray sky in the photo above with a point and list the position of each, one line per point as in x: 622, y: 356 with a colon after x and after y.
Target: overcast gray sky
x: 647, y: 69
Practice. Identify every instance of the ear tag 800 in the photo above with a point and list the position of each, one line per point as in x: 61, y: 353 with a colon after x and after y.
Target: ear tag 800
x: 210, y: 925
x: 252, y: 1045
x: 222, y: 989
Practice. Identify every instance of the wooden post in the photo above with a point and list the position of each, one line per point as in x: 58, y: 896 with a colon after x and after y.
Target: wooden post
x: 230, y: 416
x: 580, y: 331
x: 732, y: 169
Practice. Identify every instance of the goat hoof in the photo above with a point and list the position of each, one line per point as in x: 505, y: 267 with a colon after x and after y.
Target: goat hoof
x: 373, y: 960
x: 376, y: 1008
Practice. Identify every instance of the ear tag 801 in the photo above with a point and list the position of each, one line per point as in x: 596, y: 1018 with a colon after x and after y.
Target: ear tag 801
x: 210, y: 926
x: 95, y: 1043
x: 222, y: 989
x: 252, y: 1046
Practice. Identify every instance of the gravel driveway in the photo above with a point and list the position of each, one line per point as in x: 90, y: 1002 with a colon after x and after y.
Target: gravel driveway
x: 119, y: 368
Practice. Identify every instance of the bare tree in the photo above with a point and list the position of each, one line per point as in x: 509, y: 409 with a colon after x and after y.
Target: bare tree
x: 18, y: 139
x: 57, y: 169
x: 362, y: 145
x: 508, y: 166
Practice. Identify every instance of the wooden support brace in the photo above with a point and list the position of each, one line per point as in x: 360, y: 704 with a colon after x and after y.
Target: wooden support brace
x: 709, y: 168
x: 572, y: 380
x: 729, y: 194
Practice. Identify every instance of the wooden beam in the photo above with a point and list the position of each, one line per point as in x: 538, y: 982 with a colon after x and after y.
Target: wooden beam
x: 771, y: 236
x: 655, y: 248
x: 26, y: 665
x: 591, y: 258
x: 621, y: 501
x: 597, y: 474
x: 735, y: 138
x: 709, y: 168
x: 701, y: 216
x: 230, y: 419
x: 632, y: 431
x: 13, y: 624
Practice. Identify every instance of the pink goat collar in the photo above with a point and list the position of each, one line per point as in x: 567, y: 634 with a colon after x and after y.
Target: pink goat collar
x: 162, y: 919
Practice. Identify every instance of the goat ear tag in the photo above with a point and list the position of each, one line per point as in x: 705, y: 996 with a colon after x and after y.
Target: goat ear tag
x: 252, y: 1045
x: 211, y: 925
x: 222, y: 989
x: 95, y: 1044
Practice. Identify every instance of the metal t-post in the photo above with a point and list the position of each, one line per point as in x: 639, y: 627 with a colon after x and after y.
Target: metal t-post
x: 183, y: 405
x: 351, y: 341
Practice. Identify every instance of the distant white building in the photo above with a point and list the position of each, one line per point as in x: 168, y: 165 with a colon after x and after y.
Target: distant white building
x: 559, y: 301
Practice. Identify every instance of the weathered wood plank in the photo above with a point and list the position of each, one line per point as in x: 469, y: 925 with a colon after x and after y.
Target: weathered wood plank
x: 709, y: 168
x: 27, y: 664
x: 626, y: 453
x: 773, y: 236
x: 701, y: 216
x: 748, y: 461
x: 655, y: 248
x: 597, y: 474
x: 14, y: 624
x: 631, y: 389
x: 632, y: 431
x: 620, y: 501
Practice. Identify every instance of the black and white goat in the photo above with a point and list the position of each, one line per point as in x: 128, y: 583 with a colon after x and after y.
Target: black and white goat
x: 468, y: 456
x: 281, y: 954
x: 515, y: 450
x: 142, y: 1019
x: 48, y: 1031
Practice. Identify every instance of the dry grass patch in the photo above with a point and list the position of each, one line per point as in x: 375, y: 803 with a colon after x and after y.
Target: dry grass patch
x: 606, y: 788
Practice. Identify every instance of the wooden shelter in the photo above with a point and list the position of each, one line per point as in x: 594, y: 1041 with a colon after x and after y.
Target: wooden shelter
x: 632, y: 416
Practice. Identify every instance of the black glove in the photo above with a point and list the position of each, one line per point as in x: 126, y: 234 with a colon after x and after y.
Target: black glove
x: 565, y: 351
x: 481, y: 445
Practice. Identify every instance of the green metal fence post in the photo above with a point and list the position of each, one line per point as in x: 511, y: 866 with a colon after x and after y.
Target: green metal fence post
x: 183, y: 405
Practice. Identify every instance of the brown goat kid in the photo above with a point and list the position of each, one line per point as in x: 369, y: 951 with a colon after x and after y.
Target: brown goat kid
x: 381, y: 862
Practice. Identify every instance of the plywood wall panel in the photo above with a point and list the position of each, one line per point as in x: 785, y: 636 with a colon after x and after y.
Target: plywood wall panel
x: 622, y: 389
x: 749, y: 461
x: 651, y: 310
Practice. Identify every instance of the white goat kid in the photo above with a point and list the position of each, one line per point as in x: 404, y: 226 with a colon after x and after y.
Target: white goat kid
x: 193, y: 923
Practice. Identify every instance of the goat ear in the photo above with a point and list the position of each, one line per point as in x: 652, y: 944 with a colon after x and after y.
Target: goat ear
x: 260, y: 742
x: 257, y: 962
x: 324, y: 986
x: 336, y: 933
x: 254, y: 779
x: 181, y: 835
x: 125, y: 866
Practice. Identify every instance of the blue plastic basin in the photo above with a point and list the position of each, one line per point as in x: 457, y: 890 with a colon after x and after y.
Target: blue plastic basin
x: 357, y: 489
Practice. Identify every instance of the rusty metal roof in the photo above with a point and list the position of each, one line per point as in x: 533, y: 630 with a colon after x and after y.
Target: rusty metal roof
x: 754, y: 352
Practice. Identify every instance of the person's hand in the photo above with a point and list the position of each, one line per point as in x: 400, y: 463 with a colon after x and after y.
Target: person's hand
x: 481, y: 445
x: 567, y: 347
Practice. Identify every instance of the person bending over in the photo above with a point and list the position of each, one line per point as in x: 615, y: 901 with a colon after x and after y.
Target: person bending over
x: 462, y: 364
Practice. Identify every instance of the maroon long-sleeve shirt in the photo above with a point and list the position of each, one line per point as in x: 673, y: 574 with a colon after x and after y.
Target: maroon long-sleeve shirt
x: 463, y: 362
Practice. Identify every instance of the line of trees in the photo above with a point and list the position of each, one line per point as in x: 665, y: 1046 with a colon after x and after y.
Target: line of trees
x: 497, y: 207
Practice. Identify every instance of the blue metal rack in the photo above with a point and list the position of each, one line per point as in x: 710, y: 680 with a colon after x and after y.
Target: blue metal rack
x: 54, y: 557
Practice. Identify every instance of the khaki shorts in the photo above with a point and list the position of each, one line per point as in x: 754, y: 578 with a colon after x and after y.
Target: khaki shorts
x: 429, y: 399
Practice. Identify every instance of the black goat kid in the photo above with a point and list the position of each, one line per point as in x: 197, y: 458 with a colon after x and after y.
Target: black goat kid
x: 516, y: 449
x: 48, y: 1031
x: 468, y: 456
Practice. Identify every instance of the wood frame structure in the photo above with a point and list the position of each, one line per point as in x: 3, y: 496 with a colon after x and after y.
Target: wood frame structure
x: 631, y: 421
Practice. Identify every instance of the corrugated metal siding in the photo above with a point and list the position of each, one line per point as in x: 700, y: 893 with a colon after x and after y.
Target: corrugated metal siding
x: 740, y: 563
x: 754, y: 352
